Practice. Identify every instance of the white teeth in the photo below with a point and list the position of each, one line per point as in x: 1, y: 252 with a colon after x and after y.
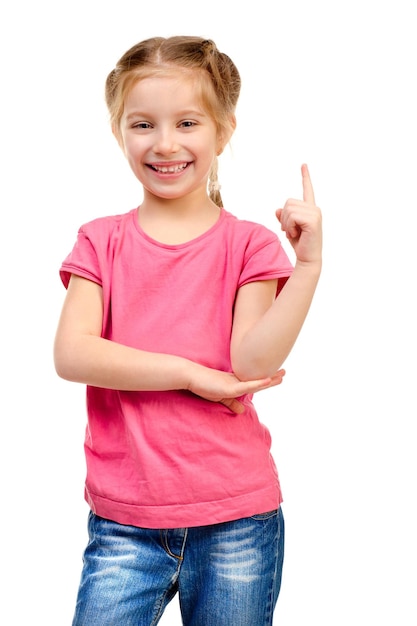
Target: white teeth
x: 172, y: 169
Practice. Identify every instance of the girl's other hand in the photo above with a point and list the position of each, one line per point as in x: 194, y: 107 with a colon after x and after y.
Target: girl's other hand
x: 225, y: 387
x: 301, y: 222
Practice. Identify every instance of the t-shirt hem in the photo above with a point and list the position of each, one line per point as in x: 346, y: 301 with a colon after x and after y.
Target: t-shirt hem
x: 185, y: 515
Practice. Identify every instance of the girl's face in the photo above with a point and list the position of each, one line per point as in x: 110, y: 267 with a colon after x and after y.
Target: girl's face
x: 168, y: 139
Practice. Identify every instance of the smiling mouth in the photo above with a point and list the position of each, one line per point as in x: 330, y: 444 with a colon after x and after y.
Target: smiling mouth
x: 169, y: 169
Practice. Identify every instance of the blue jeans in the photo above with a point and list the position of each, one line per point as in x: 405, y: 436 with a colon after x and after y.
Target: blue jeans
x: 226, y: 574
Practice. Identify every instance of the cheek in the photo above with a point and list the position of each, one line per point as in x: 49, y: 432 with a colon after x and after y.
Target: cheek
x: 132, y: 154
x: 132, y: 149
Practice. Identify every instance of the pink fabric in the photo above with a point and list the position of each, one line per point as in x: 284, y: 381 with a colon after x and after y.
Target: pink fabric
x: 171, y: 459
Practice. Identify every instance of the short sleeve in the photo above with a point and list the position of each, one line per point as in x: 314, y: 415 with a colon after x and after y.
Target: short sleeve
x: 82, y: 261
x: 265, y: 259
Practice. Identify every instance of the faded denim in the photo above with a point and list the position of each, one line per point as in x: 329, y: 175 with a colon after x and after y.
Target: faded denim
x: 226, y: 574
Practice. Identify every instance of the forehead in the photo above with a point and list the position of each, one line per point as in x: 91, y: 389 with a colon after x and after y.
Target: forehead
x: 169, y: 89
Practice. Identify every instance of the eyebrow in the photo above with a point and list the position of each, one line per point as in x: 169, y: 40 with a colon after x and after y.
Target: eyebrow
x: 184, y: 113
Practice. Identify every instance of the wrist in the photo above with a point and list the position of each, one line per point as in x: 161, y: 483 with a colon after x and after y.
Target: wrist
x: 313, y: 267
x: 189, y: 372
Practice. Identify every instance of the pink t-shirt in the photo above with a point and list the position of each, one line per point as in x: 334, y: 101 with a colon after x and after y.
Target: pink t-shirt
x: 171, y: 459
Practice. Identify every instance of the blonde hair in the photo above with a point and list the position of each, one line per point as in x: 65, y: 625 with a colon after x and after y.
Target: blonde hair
x: 219, y: 81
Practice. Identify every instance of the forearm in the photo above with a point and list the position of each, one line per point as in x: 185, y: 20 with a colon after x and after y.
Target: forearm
x: 99, y: 362
x: 265, y: 346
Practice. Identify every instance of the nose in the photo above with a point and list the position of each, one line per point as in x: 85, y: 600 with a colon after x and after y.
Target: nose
x: 166, y: 141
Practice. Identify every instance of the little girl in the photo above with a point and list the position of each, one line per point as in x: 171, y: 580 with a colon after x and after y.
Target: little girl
x: 176, y: 313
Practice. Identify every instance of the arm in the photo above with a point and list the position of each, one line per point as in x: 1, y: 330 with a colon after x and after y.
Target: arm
x: 82, y: 355
x: 264, y: 328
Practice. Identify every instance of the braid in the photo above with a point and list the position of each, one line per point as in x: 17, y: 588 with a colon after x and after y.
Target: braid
x: 213, y: 185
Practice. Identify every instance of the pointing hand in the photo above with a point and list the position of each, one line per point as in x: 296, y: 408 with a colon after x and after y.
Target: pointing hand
x: 301, y: 222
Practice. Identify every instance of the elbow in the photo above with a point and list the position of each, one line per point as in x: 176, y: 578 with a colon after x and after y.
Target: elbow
x: 63, y: 363
x: 252, y: 370
x: 62, y: 369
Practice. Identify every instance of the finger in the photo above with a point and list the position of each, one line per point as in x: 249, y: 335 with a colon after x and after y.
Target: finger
x: 234, y: 405
x: 308, y: 193
x: 277, y: 378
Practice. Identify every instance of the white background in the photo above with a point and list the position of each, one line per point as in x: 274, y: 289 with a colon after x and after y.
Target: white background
x: 325, y: 82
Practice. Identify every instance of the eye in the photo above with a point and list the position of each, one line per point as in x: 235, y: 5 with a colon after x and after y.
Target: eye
x: 141, y: 125
x: 187, y: 124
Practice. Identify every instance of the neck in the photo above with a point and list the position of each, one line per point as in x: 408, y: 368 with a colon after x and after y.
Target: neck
x: 177, y: 220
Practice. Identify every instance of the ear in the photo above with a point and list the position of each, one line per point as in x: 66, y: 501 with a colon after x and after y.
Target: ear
x: 225, y: 135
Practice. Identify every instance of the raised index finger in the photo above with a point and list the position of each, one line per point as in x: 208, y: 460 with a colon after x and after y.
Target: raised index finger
x: 308, y: 193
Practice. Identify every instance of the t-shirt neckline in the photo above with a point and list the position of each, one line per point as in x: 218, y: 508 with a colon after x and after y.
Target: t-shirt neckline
x: 190, y: 242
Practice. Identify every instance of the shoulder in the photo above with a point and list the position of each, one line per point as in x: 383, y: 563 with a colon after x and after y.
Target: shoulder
x: 249, y: 232
x: 259, y: 249
x: 95, y: 247
x: 106, y: 225
x: 247, y: 226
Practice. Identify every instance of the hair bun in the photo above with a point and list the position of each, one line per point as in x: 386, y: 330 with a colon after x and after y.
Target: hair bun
x: 208, y: 46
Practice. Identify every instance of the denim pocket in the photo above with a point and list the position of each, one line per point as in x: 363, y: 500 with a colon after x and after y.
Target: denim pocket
x: 267, y: 515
